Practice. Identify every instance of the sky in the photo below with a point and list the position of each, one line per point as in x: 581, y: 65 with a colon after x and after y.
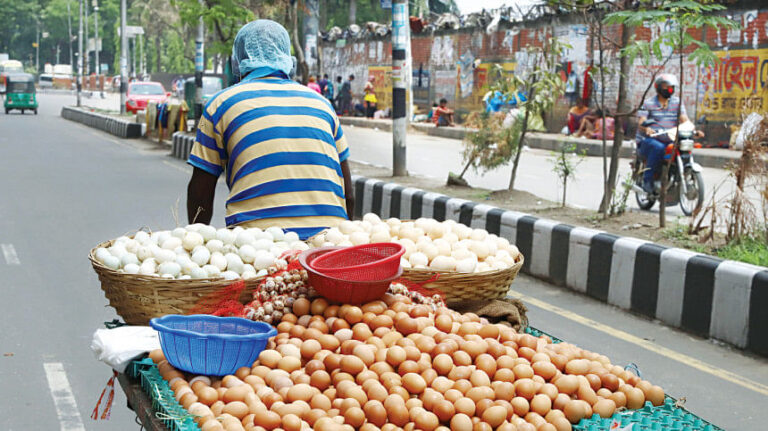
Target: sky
x: 469, y: 6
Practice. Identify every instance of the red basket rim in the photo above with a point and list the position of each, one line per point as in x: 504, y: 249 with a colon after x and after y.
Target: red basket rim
x: 397, y: 255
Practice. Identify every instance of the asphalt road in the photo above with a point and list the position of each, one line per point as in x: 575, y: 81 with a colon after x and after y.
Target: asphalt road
x: 68, y: 187
x: 434, y: 157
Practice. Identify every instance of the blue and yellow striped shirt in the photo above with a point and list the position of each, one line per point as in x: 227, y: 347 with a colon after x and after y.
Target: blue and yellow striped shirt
x: 280, y: 146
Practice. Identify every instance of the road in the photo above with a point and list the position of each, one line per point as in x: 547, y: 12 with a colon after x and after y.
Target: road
x: 70, y: 187
x: 434, y: 157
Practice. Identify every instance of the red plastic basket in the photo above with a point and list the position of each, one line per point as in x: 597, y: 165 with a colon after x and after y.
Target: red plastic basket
x: 343, y: 291
x: 367, y: 262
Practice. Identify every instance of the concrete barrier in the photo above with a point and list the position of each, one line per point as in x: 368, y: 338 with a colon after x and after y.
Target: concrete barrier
x: 107, y: 123
x: 701, y: 294
x: 181, y: 145
x: 708, y: 157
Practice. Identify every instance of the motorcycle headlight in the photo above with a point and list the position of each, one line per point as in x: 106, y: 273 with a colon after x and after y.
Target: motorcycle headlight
x: 686, y: 145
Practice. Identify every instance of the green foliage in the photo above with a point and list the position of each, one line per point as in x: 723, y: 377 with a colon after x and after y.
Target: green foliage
x: 564, y: 164
x: 752, y: 249
x: 338, y: 12
x: 222, y: 18
x: 685, y: 14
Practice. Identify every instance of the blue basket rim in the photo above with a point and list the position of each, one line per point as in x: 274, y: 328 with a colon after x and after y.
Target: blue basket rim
x: 157, y: 324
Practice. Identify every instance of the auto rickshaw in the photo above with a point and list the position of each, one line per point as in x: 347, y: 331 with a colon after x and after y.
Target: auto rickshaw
x: 20, y: 92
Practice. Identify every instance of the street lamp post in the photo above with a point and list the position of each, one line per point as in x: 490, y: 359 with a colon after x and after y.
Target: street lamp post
x: 87, y: 63
x: 96, y: 30
x: 37, y: 45
x: 400, y: 41
x: 80, y: 55
x: 69, y: 30
x: 199, y: 66
x: 123, y: 56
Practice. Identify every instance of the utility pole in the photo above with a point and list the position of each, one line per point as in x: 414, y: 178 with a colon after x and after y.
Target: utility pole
x: 400, y: 79
x: 69, y: 30
x: 123, y: 56
x: 37, y: 46
x: 80, y: 55
x: 199, y: 65
x: 96, y: 30
x: 87, y: 63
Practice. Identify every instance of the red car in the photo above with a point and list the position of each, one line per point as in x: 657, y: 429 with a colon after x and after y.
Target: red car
x: 140, y: 93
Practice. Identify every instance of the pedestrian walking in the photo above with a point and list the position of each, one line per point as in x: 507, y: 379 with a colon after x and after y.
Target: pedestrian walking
x: 314, y: 85
x: 323, y: 83
x: 278, y: 143
x: 346, y: 96
x: 337, y: 95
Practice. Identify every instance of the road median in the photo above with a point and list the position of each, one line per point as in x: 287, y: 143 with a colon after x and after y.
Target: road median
x: 119, y: 127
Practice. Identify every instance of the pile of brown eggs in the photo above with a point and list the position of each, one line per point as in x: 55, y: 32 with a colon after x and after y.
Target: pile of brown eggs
x: 394, y: 365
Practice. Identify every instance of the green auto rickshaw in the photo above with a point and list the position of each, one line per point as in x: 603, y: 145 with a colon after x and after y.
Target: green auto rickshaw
x: 20, y: 92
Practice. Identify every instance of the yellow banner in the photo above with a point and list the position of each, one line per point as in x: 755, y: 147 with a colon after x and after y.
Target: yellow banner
x: 483, y: 78
x: 736, y: 86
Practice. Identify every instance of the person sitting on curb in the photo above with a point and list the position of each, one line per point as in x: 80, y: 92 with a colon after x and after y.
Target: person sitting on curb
x: 442, y: 115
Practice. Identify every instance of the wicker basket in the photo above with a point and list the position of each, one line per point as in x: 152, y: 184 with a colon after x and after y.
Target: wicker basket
x: 138, y: 298
x: 458, y: 286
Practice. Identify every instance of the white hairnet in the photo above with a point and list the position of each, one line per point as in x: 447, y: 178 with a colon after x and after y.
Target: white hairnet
x: 261, y: 47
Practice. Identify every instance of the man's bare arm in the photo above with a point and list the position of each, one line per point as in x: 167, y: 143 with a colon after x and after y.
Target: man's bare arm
x: 200, y: 193
x: 348, y: 192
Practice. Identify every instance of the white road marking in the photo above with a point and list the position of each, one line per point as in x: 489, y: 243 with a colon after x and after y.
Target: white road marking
x: 63, y: 399
x: 9, y: 252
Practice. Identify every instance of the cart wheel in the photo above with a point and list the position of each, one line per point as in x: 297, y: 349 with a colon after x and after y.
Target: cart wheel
x: 22, y: 112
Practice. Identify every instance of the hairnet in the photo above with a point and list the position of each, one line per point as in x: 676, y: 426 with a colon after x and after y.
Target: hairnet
x: 261, y: 48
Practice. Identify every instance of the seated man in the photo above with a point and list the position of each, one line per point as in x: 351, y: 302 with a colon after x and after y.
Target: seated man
x: 442, y: 115
x: 662, y: 109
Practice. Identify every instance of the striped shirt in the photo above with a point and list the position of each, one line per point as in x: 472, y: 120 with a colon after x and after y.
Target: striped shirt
x: 665, y: 118
x: 280, y: 147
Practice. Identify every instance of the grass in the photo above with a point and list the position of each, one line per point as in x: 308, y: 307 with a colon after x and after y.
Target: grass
x: 749, y: 250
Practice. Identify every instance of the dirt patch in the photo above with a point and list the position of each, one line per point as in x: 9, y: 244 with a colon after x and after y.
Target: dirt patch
x: 643, y: 225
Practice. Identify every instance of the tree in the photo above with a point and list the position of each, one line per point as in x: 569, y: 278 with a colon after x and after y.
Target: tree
x: 677, y: 38
x: 564, y: 164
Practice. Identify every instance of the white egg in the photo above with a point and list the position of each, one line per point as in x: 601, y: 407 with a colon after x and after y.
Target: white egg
x: 410, y: 246
x: 492, y: 249
x: 276, y: 232
x: 327, y: 244
x: 262, y: 235
x: 450, y: 237
x: 147, y: 269
x: 237, y: 229
x: 150, y: 262
x: 372, y: 218
x: 122, y: 239
x: 490, y: 260
x: 226, y: 236
x: 448, y: 223
x: 437, y: 230
x: 185, y: 277
x: 171, y: 268
x: 318, y: 240
x: 365, y: 226
x: 291, y: 237
x: 129, y: 258
x: 112, y: 262
x: 212, y: 270
x: 219, y: 261
x: 171, y: 243
x: 480, y: 248
x: 117, y: 250
x: 262, y: 273
x: 131, y: 246
x: 500, y: 264
x: 466, y: 265
x: 277, y: 250
x: 263, y: 244
x: 334, y: 235
x: 192, y: 240
x: 199, y: 272
x: 247, y: 253
x: 101, y: 253
x: 230, y: 275
x: 179, y: 232
x: 501, y: 254
x: 247, y: 275
x: 482, y: 267
x: 234, y: 263
x: 359, y: 238
x: 299, y: 245
x: 428, y: 249
x: 244, y: 238
x: 418, y: 258
x: 443, y: 263
x: 164, y: 255
x: 201, y: 256
x: 214, y: 245
x: 167, y: 276
x: 380, y: 237
x: 463, y: 253
x: 143, y: 252
x: 513, y: 251
x: 141, y: 237
x: 407, y: 232
x: 424, y: 223
x: 345, y: 243
x: 347, y: 227
x: 479, y: 234
x: 423, y: 239
x: 208, y: 232
x: 184, y: 261
x: 180, y: 250
x: 195, y: 227
x: 404, y: 263
x: 443, y: 247
x: 131, y: 268
x: 392, y: 222
x: 160, y: 236
x: 248, y: 267
x: 501, y: 242
x: 229, y: 248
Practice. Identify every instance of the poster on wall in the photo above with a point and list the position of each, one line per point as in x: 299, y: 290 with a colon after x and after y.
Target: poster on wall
x: 445, y: 85
x: 576, y: 36
x: 738, y: 84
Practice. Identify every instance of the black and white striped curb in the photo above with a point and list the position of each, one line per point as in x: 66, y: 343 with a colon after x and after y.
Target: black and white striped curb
x: 181, y: 145
x: 704, y: 295
x: 118, y: 127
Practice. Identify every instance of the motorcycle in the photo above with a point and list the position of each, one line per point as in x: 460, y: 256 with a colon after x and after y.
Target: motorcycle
x: 685, y: 183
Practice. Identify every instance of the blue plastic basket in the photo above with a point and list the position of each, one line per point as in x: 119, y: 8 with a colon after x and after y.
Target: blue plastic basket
x: 210, y: 345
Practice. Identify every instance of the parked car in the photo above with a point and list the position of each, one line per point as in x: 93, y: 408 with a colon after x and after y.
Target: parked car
x: 141, y: 93
x: 45, y: 80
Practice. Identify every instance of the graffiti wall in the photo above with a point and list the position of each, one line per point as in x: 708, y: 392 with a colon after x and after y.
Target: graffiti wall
x: 457, y: 65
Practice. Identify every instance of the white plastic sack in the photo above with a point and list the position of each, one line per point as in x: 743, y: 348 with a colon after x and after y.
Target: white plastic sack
x: 117, y: 347
x: 748, y: 128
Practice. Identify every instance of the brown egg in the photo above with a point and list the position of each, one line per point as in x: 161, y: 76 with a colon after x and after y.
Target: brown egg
x: 541, y: 404
x: 575, y: 411
x: 301, y: 307
x: 427, y: 421
x: 577, y: 366
x: 587, y: 394
x: 157, y: 356
x: 237, y: 409
x: 656, y: 395
x: 523, y: 371
x: 520, y: 406
x: 525, y: 388
x: 635, y: 398
x: 605, y: 408
x: 414, y: 383
x: 395, y: 355
x: 494, y: 415
x: 546, y: 370
x: 382, y: 321
x: 461, y: 422
x: 352, y: 364
x: 444, y: 323
x: 504, y: 391
x: 465, y: 406
x: 208, y: 396
x: 567, y: 384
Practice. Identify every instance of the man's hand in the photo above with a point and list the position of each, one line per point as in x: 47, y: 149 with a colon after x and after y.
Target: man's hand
x: 200, y: 193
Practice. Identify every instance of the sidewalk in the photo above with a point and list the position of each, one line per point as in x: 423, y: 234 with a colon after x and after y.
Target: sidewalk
x: 707, y: 157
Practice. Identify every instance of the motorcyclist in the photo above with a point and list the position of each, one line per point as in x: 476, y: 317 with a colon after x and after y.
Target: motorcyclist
x: 662, y: 110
